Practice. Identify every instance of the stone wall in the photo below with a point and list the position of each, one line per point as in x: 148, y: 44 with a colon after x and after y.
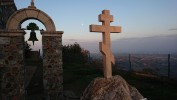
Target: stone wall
x: 52, y: 65
x: 12, y: 65
x: 7, y: 8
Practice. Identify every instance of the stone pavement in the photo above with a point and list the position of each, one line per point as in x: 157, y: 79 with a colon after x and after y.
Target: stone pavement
x: 34, y: 88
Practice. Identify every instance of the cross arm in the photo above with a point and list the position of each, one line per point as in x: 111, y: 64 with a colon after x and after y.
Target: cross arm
x: 112, y: 58
x: 104, y: 50
x: 115, y: 29
x: 96, y: 28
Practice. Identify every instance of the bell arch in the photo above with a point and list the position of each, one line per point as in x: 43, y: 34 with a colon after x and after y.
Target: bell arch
x: 12, y: 38
x: 15, y: 21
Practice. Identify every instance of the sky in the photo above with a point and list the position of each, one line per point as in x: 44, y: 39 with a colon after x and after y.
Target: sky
x: 138, y: 18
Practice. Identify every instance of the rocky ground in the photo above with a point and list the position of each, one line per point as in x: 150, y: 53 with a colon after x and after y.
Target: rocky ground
x: 114, y: 88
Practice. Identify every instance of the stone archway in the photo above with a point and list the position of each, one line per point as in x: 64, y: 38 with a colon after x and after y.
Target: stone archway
x: 22, y: 15
x: 12, y: 60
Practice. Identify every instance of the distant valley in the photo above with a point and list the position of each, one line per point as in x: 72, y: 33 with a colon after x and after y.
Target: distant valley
x: 154, y: 63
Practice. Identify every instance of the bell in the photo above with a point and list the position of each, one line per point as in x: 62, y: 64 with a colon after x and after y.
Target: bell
x: 33, y: 37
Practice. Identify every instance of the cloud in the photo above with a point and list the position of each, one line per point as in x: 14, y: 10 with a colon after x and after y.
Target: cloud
x: 72, y: 40
x: 172, y: 29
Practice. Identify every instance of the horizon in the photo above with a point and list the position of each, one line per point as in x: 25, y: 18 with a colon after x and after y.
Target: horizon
x: 138, y: 19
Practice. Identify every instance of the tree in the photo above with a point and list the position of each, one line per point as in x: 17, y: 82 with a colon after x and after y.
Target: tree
x: 27, y: 50
x: 32, y: 27
x: 75, y: 54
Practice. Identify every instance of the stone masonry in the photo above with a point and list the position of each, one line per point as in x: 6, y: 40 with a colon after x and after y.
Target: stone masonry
x: 52, y: 65
x: 12, y: 56
x: 7, y: 8
x: 12, y: 65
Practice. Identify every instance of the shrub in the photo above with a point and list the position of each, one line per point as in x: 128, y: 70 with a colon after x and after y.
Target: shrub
x: 73, y: 53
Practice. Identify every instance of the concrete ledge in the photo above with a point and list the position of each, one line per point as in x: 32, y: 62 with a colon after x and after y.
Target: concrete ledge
x: 12, y: 33
x: 52, y: 33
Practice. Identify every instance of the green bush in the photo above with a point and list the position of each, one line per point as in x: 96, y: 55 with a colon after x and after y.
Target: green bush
x: 75, y: 54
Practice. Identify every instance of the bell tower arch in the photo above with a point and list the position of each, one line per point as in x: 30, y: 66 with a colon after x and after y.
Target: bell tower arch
x: 12, y: 56
x: 22, y: 15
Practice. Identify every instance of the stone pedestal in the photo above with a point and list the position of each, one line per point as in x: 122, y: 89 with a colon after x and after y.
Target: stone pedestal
x: 12, y: 65
x: 114, y: 88
x: 52, y: 65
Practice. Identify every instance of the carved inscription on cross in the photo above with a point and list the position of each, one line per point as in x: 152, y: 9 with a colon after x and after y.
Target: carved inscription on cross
x: 105, y: 49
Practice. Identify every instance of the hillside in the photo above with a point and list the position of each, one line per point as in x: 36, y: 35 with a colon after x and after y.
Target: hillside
x: 157, y: 64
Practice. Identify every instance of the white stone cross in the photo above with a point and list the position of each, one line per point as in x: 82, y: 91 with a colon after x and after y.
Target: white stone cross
x: 105, y: 49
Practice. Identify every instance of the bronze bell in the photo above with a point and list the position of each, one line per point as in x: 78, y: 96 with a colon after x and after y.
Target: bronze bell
x: 33, y: 37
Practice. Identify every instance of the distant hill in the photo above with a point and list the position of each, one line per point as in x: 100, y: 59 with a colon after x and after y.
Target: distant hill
x: 152, y: 45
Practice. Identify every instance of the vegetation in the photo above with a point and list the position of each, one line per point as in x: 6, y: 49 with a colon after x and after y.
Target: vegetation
x: 32, y: 26
x: 75, y: 54
x: 77, y: 76
x: 27, y: 50
x: 78, y: 73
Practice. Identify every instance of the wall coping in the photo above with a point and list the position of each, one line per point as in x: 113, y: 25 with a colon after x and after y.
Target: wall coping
x: 52, y: 33
x: 12, y: 33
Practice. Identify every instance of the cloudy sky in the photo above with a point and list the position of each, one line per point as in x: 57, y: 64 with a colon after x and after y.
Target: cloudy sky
x: 138, y: 18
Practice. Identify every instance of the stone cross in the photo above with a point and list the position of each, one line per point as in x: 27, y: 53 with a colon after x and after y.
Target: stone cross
x: 32, y: 5
x: 105, y: 49
x: 32, y: 2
